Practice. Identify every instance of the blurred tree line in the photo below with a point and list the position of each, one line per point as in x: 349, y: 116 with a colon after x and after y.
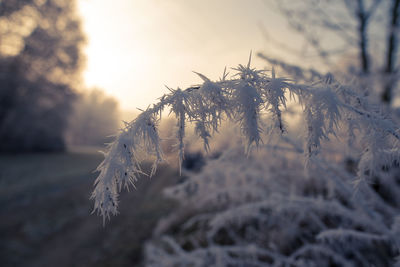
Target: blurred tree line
x: 94, y: 120
x: 41, y: 62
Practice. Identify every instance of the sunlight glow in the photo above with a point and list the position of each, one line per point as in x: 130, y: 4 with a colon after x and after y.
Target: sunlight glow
x: 135, y: 47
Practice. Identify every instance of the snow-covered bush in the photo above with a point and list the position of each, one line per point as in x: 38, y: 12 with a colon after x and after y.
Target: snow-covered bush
x: 252, y: 208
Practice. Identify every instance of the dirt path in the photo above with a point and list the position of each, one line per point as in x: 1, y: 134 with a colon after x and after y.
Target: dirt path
x: 45, y: 213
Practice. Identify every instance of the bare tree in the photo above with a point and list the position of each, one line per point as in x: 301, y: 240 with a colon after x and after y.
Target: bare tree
x: 391, y: 51
x: 333, y: 28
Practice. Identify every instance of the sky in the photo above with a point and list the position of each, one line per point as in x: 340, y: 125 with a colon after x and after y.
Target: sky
x: 136, y: 47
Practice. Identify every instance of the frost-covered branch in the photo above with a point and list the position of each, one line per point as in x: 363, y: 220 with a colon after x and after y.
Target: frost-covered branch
x: 244, y: 98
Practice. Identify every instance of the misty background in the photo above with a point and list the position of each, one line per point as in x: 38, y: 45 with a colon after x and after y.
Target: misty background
x: 71, y: 73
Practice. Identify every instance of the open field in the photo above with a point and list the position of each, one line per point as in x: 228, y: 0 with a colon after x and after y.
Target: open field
x: 45, y: 211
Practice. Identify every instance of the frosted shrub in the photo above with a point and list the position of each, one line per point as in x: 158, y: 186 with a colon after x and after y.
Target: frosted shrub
x: 263, y: 211
x: 251, y: 208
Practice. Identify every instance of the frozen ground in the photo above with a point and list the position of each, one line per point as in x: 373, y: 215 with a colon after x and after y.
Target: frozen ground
x: 45, y: 211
